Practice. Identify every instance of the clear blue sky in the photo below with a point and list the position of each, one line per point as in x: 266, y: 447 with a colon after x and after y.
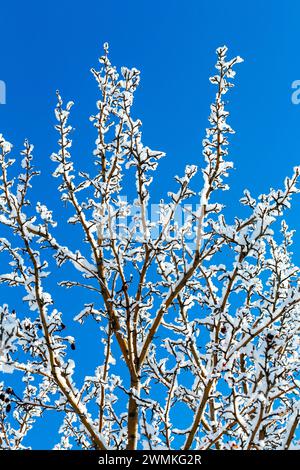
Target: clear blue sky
x: 50, y: 45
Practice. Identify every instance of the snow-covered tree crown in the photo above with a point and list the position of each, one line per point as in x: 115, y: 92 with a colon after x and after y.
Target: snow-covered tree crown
x: 198, y: 318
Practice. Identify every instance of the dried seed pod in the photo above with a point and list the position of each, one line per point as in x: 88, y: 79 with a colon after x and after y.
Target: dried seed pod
x: 8, y: 408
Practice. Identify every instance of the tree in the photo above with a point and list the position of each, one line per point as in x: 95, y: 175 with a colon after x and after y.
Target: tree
x: 198, y: 317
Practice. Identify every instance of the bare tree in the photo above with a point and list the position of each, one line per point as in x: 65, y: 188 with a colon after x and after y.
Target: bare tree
x: 198, y: 317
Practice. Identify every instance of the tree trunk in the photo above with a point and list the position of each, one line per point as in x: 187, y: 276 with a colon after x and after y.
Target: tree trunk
x: 133, y: 414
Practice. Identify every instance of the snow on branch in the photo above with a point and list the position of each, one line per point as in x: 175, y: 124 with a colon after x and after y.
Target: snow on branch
x: 190, y: 314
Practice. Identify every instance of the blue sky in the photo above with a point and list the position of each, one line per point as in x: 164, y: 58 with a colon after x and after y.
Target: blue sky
x: 173, y: 43
x: 52, y: 45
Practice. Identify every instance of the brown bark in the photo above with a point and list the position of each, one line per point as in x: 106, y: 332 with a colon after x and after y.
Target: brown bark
x: 198, y: 416
x: 133, y: 414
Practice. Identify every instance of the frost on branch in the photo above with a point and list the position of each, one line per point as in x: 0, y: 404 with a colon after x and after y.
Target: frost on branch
x: 195, y: 318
